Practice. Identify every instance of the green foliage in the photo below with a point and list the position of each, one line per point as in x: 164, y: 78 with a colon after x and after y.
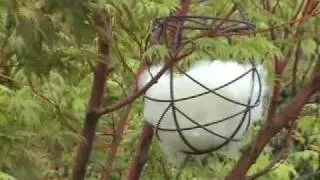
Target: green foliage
x: 47, y: 52
x: 40, y: 135
x: 4, y: 176
x: 242, y: 48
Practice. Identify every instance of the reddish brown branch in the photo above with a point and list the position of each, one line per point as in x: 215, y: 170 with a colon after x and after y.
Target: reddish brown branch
x: 167, y: 65
x: 279, y: 67
x: 129, y: 99
x: 275, y: 122
x: 305, y: 11
x: 116, y: 143
x: 282, y: 154
x: 184, y: 7
x: 300, y: 7
x: 275, y: 94
x: 120, y: 129
x: 134, y: 96
x: 142, y: 152
x: 226, y: 18
x: 250, y: 155
x: 310, y: 7
x: 294, y: 107
x: 281, y: 120
x: 295, y: 68
x: 101, y: 72
x: 121, y: 125
x: 133, y: 93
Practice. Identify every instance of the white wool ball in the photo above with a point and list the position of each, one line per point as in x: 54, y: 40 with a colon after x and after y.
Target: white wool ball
x: 203, y: 109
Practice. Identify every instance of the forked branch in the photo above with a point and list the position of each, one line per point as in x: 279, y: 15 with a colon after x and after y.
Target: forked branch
x: 101, y: 72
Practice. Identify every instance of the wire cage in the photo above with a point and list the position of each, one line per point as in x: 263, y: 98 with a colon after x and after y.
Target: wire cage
x: 193, y: 27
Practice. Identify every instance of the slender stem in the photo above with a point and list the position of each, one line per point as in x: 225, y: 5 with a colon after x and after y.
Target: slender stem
x: 115, y: 144
x: 136, y: 95
x: 142, y: 152
x: 84, y: 150
x: 295, y: 68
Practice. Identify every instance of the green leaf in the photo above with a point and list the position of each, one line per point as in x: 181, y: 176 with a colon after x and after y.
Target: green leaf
x: 156, y: 51
x: 308, y: 46
x: 4, y: 176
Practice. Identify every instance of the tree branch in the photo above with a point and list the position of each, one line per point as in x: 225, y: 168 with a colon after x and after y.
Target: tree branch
x: 295, y: 67
x: 115, y: 144
x: 129, y: 99
x: 282, y: 154
x: 142, y: 152
x: 268, y: 130
x: 102, y: 69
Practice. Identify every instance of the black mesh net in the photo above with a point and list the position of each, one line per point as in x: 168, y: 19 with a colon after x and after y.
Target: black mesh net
x: 197, y: 26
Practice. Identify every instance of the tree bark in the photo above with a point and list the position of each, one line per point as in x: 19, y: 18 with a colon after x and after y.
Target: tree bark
x: 101, y: 72
x: 142, y: 152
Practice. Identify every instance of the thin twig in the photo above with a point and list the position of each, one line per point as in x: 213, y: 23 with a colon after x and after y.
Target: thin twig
x: 225, y: 19
x: 129, y: 99
x: 123, y: 61
x: 142, y: 153
x: 258, y: 31
x: 116, y: 143
x: 41, y: 95
x: 52, y: 103
x: 295, y: 68
x: 9, y: 78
